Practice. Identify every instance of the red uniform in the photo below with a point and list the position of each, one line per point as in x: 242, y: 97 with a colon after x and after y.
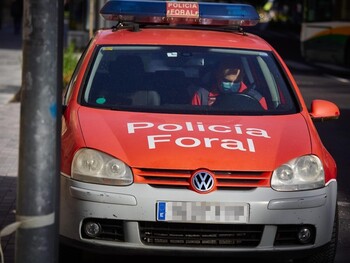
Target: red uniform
x: 205, y: 97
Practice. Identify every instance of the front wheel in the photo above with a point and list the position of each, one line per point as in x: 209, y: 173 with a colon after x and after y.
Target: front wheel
x: 327, y: 254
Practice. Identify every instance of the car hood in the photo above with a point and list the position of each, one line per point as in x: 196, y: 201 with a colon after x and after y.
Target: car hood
x: 178, y: 141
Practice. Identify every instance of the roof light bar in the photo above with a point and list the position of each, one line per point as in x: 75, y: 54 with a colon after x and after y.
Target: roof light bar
x: 180, y: 13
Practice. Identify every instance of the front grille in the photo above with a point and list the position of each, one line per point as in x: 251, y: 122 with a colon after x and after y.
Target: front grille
x: 198, y: 235
x: 288, y: 235
x: 181, y: 178
x: 216, y: 235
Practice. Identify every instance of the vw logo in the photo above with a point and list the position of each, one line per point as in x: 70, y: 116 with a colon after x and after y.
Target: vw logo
x: 202, y: 181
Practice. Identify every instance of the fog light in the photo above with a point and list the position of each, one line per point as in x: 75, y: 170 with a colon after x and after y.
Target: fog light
x: 92, y: 229
x: 305, y: 235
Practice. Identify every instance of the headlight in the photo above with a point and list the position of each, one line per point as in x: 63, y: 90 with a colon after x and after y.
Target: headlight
x: 96, y: 167
x: 302, y: 173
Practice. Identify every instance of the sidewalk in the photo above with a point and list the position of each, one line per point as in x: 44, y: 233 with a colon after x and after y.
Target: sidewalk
x: 10, y: 82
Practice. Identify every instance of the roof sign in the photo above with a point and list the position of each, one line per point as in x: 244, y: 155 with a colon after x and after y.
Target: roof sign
x: 180, y: 13
x: 182, y: 9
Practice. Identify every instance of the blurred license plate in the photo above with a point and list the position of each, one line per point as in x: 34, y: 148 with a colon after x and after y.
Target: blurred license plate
x: 215, y: 212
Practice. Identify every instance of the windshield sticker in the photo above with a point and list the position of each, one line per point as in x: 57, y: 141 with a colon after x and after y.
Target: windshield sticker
x: 154, y: 140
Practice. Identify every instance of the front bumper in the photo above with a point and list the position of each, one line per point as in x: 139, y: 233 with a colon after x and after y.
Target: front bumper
x: 128, y: 215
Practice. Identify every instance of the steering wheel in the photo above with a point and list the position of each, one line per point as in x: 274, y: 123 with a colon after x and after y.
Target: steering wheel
x: 237, y: 101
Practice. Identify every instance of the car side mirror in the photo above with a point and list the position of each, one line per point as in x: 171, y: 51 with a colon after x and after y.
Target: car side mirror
x: 324, y: 110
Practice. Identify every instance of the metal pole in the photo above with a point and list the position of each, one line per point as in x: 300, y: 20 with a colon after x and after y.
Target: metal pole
x: 40, y: 123
x: 91, y: 18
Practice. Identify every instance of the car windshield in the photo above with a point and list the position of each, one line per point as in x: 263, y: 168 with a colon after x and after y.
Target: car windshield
x: 187, y: 79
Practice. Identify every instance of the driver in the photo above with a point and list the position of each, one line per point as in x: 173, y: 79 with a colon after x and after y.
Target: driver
x: 227, y: 80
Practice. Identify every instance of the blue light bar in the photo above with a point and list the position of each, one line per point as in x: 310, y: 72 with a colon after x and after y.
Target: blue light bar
x: 176, y: 13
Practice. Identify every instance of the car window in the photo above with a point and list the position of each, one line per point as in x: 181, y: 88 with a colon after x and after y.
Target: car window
x: 67, y: 91
x: 166, y: 79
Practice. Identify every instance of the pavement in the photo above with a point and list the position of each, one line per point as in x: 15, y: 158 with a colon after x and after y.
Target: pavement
x: 10, y: 82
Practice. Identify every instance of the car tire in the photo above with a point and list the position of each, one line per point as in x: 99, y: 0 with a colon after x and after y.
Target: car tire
x: 327, y: 254
x: 69, y: 254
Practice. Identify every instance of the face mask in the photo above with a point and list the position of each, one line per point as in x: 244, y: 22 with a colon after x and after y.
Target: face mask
x: 230, y: 86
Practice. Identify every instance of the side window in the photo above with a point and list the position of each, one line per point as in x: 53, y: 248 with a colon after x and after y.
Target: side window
x: 67, y: 91
x: 271, y: 83
x: 276, y: 86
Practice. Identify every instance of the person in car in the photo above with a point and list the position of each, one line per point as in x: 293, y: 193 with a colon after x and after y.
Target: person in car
x: 228, y: 80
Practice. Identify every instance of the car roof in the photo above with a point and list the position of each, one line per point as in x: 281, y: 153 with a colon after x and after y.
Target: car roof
x: 182, y: 36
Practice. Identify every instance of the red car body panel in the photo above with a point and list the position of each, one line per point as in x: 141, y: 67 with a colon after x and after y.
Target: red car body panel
x: 112, y: 126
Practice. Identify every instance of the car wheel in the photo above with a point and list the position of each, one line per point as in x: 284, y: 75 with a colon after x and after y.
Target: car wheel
x: 327, y: 254
x: 69, y: 254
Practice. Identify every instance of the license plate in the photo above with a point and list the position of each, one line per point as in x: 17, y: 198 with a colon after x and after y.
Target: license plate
x: 206, y: 212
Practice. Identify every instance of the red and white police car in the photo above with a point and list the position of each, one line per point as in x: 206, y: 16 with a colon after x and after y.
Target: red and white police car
x: 183, y: 134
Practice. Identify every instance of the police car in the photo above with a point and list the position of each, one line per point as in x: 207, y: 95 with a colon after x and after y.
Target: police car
x: 146, y: 169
